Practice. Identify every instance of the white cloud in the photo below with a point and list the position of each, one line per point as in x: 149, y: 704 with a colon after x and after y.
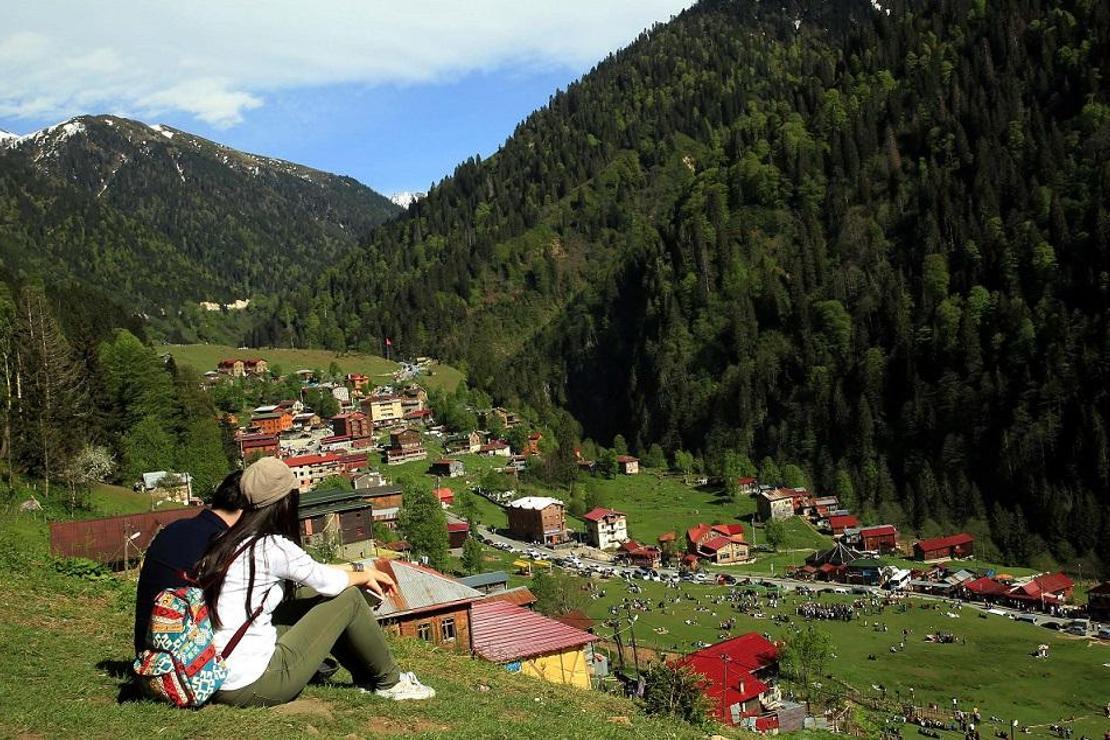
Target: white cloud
x: 217, y: 59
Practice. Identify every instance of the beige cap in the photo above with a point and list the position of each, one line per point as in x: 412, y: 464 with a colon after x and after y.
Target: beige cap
x: 267, y: 481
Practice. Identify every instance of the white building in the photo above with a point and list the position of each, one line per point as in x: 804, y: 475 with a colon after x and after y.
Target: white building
x: 606, y: 528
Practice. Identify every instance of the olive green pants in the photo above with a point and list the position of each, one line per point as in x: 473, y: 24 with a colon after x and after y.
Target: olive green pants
x: 309, y: 629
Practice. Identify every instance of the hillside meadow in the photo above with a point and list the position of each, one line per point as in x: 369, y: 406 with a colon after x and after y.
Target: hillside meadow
x: 204, y: 357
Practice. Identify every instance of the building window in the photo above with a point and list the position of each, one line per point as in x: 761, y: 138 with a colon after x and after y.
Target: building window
x: 424, y: 631
x: 447, y: 629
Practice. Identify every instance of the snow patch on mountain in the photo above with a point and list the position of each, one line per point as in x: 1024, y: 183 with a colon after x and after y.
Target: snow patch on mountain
x: 406, y: 198
x: 162, y: 130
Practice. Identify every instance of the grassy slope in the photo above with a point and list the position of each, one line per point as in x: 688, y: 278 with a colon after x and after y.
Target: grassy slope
x: 203, y: 357
x: 992, y: 671
x: 64, y: 641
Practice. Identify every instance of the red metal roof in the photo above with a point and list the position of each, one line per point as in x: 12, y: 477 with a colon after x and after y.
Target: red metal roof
x: 729, y: 529
x: 103, y: 539
x: 600, y: 513
x: 458, y: 527
x: 729, y: 667
x: 504, y: 632
x: 940, y: 543
x: 986, y: 587
x: 1049, y: 584
x: 294, y: 462
x: 880, y: 531
x: 252, y: 444
x: 716, y: 543
x: 841, y: 521
x: 627, y: 459
x: 521, y: 596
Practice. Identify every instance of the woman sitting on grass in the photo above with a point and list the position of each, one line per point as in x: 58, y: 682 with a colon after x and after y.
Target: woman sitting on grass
x: 252, y: 564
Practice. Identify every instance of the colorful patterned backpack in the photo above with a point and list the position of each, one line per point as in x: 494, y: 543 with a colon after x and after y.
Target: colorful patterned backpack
x: 181, y: 664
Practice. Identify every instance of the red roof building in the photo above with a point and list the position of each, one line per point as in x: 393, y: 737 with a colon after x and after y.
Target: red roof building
x: 605, y: 528
x: 446, y: 496
x: 457, y: 532
x: 721, y: 543
x: 985, y: 589
x: 628, y: 465
x: 1050, y: 588
x: 883, y: 538
x: 960, y: 545
x: 530, y: 643
x: 254, y: 446
x: 839, y: 522
x: 737, y: 672
x: 644, y: 556
x: 353, y: 424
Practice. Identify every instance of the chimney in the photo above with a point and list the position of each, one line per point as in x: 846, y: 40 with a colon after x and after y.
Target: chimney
x: 741, y: 687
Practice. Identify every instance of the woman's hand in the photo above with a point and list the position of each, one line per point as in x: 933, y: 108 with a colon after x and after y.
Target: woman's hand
x: 378, y: 582
x: 371, y: 579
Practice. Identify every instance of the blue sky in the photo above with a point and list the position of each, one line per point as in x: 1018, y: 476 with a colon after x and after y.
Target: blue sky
x: 393, y: 95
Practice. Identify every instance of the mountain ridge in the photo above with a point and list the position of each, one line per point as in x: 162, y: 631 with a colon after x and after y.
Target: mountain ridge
x: 861, y: 242
x: 230, y: 224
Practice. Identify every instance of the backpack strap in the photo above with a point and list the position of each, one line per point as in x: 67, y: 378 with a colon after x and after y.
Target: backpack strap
x: 242, y: 631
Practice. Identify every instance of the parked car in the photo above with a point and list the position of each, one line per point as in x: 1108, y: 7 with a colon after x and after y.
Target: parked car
x: 1104, y: 633
x: 1078, y: 627
x: 839, y: 590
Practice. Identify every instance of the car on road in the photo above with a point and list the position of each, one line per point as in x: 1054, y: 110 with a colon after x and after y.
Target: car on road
x: 1104, y: 633
x: 1078, y: 627
x: 1030, y: 618
x: 839, y: 590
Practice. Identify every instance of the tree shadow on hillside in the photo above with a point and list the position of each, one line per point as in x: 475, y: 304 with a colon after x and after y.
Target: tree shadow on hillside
x: 120, y: 670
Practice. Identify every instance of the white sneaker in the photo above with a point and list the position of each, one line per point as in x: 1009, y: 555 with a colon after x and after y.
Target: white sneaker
x: 408, y: 688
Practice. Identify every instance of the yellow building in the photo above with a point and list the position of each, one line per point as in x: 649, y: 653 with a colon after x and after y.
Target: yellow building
x: 530, y: 643
x: 384, y: 410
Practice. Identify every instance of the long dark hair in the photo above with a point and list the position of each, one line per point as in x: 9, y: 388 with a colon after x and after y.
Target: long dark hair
x: 279, y: 518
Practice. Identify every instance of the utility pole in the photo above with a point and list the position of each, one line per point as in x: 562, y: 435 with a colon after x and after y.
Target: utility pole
x: 632, y: 634
x: 616, y: 625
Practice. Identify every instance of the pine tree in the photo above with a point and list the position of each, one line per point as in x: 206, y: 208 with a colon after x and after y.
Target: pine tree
x: 472, y: 555
x: 423, y: 523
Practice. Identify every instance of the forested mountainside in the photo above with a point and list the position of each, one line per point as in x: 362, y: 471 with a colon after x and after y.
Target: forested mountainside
x: 871, y: 241
x: 164, y: 217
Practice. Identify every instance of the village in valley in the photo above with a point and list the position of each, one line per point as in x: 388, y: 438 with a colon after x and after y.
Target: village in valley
x: 647, y: 563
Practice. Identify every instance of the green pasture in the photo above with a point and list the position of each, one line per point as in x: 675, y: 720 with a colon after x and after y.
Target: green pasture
x: 204, y: 357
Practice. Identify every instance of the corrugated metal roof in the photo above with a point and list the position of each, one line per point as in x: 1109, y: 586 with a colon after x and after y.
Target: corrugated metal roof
x: 103, y: 539
x: 938, y: 543
x: 420, y: 588
x: 503, y: 632
x: 521, y: 596
x: 307, y: 512
x: 320, y: 498
x: 485, y: 579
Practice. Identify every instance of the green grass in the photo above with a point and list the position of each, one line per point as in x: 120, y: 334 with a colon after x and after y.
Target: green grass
x: 64, y: 642
x: 656, y: 502
x: 204, y: 357
x: 992, y: 670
